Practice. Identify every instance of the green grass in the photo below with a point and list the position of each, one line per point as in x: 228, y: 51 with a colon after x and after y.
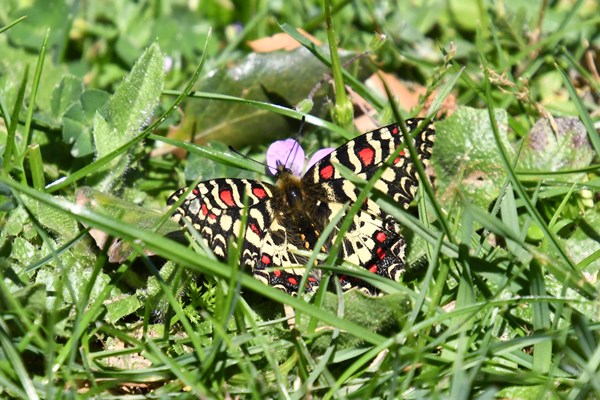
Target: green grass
x: 97, y: 298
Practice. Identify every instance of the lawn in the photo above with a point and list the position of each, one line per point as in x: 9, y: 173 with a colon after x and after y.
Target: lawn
x: 108, y: 108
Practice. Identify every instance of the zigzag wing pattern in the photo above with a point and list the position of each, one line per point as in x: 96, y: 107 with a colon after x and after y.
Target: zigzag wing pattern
x: 278, y: 249
x: 373, y: 240
x: 214, y: 208
x: 365, y: 155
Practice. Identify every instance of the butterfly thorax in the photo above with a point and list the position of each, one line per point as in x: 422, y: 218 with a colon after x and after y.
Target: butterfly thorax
x: 294, y: 197
x: 296, y: 208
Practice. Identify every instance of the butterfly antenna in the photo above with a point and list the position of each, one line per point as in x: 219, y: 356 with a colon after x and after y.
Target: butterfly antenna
x: 236, y: 151
x: 301, y: 128
x: 296, y: 145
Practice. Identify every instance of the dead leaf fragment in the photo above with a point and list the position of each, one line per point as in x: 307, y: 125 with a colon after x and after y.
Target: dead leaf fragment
x: 279, y: 41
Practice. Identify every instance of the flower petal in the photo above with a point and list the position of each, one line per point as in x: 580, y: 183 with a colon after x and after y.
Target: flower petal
x: 319, y: 154
x: 286, y: 152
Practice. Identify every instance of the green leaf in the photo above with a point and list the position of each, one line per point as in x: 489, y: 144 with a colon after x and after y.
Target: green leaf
x: 273, y: 78
x: 77, y: 121
x: 465, y: 156
x: 32, y: 297
x: 23, y: 251
x: 77, y: 281
x: 466, y: 15
x: 13, y: 63
x: 565, y: 147
x: 127, y: 111
x: 183, y: 31
x: 583, y: 242
x: 384, y: 314
x: 122, y: 307
x: 41, y: 15
x: 65, y: 95
x: 67, y: 103
x: 197, y: 166
x: 60, y: 223
x: 124, y: 211
x: 79, y: 135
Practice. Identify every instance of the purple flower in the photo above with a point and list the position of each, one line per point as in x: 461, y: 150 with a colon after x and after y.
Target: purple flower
x: 290, y: 154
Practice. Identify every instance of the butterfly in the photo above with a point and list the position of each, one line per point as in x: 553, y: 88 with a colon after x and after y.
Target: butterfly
x: 288, y: 217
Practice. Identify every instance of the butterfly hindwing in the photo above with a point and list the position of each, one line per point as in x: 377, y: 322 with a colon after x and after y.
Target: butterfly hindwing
x: 279, y: 249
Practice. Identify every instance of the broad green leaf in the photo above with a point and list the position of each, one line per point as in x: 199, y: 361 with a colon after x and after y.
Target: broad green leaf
x: 65, y: 95
x: 584, y: 242
x: 78, y: 278
x: 23, y: 251
x: 560, y: 147
x: 67, y: 106
x: 59, y: 222
x: 79, y: 135
x: 282, y: 78
x: 384, y: 314
x: 198, y: 167
x: 151, y: 295
x: 466, y: 158
x: 31, y: 297
x: 127, y: 111
x: 77, y: 121
x: 41, y: 15
x: 13, y: 62
x: 124, y: 211
x: 466, y: 14
x: 183, y: 31
x: 122, y: 307
x: 15, y: 222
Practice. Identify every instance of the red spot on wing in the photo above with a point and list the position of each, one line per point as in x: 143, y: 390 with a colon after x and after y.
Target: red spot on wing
x: 366, y: 156
x: 212, y: 216
x: 311, y: 279
x: 255, y: 229
x: 401, y: 155
x: 227, y: 197
x: 267, y: 260
x: 381, y: 237
x: 292, y: 280
x: 326, y: 172
x: 373, y: 268
x: 380, y: 253
x: 394, y: 130
x: 196, y: 192
x: 259, y: 192
x: 204, y: 209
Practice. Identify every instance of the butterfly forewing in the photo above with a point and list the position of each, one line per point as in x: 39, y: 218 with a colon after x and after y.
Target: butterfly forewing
x: 365, y: 155
x: 214, y: 208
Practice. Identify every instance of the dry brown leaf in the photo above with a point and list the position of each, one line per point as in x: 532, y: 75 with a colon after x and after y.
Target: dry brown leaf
x: 406, y: 97
x: 408, y: 93
x: 279, y: 41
